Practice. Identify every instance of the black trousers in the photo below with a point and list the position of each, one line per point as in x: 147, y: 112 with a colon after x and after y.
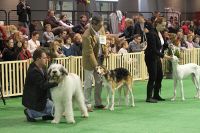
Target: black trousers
x: 154, y: 68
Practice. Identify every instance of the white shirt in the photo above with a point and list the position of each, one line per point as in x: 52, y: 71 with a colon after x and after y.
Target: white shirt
x: 97, y: 36
x: 65, y: 25
x: 122, y: 51
x: 32, y: 46
x: 161, y: 38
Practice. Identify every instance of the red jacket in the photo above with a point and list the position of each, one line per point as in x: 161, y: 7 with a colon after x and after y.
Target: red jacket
x: 24, y: 55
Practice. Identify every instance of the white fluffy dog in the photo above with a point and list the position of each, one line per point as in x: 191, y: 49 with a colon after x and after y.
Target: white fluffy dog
x: 68, y: 89
x: 182, y: 71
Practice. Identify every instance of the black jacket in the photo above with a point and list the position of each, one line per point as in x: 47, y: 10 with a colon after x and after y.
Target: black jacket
x: 138, y: 30
x: 52, y: 21
x: 36, y: 88
x: 23, y: 13
x: 76, y: 49
x: 9, y: 54
x: 128, y: 34
x: 153, y: 50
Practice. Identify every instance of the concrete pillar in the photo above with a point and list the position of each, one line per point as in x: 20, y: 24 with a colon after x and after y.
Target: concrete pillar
x: 8, y: 4
x: 128, y: 5
x: 147, y: 6
x: 39, y: 4
x: 83, y: 10
x: 179, y: 5
x: 193, y: 6
x: 193, y: 11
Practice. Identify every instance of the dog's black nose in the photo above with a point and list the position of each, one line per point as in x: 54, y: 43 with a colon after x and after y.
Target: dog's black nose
x: 54, y: 72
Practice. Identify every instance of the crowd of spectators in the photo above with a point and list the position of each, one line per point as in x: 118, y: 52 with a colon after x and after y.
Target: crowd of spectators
x: 64, y: 39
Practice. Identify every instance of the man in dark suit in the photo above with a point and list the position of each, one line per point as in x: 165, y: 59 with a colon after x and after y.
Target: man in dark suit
x: 36, y: 89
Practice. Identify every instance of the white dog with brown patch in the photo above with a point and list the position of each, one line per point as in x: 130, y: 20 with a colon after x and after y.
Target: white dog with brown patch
x: 114, y: 80
x: 69, y: 88
x: 182, y: 71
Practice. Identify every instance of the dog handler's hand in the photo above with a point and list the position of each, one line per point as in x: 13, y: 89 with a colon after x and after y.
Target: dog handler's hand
x: 54, y: 84
x: 167, y: 57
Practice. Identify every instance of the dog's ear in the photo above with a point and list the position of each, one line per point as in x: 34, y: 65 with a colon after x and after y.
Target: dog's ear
x: 49, y: 71
x: 63, y: 71
x: 105, y: 69
x: 97, y: 67
x: 48, y: 74
x: 178, y: 59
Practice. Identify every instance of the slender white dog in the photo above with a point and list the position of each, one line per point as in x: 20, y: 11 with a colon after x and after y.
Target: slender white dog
x: 68, y: 89
x: 182, y: 71
x: 115, y: 79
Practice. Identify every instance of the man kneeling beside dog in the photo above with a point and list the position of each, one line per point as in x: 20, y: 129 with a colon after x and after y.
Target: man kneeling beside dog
x: 60, y: 83
x: 36, y: 89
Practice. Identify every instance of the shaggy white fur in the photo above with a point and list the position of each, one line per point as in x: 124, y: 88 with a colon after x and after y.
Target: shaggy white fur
x: 182, y: 71
x: 68, y: 89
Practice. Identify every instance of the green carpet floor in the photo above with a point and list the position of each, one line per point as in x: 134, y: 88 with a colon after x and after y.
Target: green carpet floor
x: 162, y: 117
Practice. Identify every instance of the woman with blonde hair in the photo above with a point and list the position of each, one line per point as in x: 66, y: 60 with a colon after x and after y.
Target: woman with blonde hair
x: 54, y: 50
x: 129, y: 31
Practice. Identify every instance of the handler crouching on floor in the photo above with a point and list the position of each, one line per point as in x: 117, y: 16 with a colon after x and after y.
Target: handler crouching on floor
x: 36, y: 89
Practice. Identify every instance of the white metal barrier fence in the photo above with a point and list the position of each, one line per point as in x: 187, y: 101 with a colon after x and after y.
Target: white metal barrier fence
x: 13, y: 73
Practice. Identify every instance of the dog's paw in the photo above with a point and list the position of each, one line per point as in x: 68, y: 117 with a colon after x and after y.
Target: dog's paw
x: 173, y: 99
x: 183, y: 99
x: 107, y: 107
x: 111, y: 108
x: 72, y: 121
x: 197, y: 96
x: 133, y: 105
x: 85, y: 115
x: 64, y: 114
x: 54, y: 122
x: 119, y: 104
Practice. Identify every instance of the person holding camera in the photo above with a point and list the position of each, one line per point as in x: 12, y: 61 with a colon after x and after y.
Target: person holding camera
x: 24, y: 13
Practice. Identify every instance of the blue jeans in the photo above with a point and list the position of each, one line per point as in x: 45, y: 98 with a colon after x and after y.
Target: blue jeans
x: 49, y: 110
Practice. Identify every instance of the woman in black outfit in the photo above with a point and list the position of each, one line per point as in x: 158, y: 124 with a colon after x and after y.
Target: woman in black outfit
x: 129, y: 31
x: 152, y: 59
